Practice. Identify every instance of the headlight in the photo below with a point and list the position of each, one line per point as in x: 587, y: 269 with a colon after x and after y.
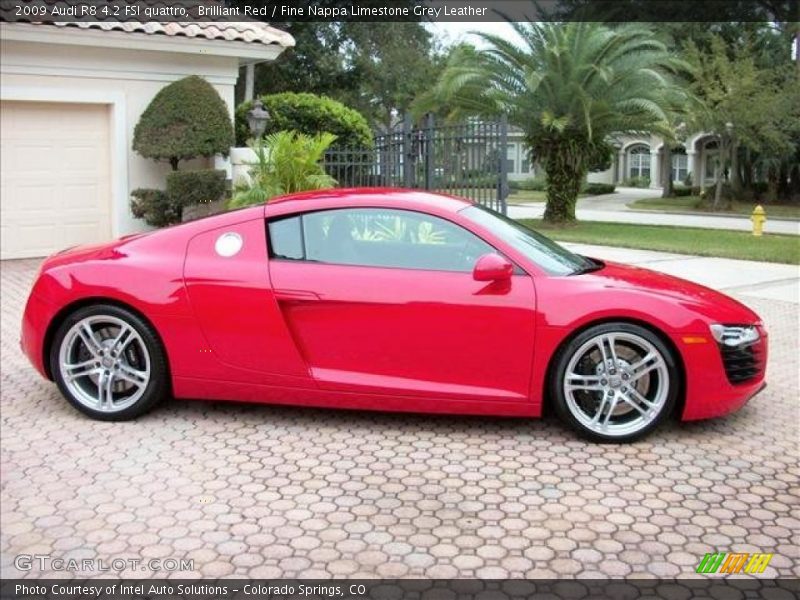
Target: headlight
x: 735, y: 335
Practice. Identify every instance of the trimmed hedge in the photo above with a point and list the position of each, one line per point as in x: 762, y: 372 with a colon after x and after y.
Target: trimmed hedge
x: 184, y: 188
x: 534, y: 184
x: 155, y: 207
x: 309, y: 114
x: 597, y: 189
x: 202, y: 186
x: 186, y: 119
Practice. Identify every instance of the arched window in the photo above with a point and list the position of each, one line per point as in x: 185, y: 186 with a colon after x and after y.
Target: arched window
x: 639, y: 161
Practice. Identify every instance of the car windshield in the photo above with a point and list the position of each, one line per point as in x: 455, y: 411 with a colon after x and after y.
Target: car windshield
x: 543, y: 251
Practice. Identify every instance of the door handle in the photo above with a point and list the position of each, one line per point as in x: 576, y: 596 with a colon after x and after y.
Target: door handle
x: 296, y: 296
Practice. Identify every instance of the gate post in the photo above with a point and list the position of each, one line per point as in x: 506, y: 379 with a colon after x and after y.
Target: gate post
x: 429, y: 151
x: 502, y: 183
x: 407, y: 152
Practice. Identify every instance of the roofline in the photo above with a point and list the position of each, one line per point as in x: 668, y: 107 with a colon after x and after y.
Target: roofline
x: 246, y: 52
x: 375, y: 194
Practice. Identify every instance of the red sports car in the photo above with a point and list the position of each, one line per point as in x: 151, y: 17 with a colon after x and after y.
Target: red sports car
x: 386, y: 299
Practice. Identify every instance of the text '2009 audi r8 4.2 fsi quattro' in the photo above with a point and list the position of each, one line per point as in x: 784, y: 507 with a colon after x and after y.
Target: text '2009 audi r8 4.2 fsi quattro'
x: 386, y: 299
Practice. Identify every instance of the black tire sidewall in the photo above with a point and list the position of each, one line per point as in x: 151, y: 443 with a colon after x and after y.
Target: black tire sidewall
x: 158, y: 385
x: 566, y: 353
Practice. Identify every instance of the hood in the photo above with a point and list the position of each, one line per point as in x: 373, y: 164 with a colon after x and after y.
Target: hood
x: 714, y: 305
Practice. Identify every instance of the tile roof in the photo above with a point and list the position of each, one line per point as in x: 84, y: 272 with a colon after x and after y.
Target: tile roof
x: 252, y: 31
x: 234, y: 31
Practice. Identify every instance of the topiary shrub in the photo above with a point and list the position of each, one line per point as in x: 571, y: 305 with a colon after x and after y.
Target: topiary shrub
x: 185, y: 120
x: 155, y: 207
x: 309, y: 114
x: 203, y: 186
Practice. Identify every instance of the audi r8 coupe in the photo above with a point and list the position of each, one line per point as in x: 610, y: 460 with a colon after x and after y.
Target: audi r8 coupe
x: 386, y: 299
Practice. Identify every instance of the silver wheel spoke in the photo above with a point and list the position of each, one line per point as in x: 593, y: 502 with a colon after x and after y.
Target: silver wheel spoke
x: 589, y: 383
x: 641, y: 399
x: 131, y: 375
x: 611, y: 409
x: 649, y: 363
x: 630, y: 402
x: 87, y: 337
x: 124, y: 337
x: 104, y: 397
x: 600, y: 409
x: 83, y: 369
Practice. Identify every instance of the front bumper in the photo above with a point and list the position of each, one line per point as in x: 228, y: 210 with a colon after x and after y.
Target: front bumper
x: 709, y: 391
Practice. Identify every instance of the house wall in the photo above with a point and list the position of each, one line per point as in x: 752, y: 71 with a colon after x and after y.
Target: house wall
x: 125, y: 79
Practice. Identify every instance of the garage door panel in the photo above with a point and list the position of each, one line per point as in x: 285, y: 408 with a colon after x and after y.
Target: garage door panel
x: 56, y: 189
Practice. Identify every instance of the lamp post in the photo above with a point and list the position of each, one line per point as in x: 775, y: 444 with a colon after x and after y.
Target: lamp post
x: 257, y: 118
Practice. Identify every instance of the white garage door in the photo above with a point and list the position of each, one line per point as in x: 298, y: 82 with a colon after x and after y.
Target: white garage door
x: 54, y: 169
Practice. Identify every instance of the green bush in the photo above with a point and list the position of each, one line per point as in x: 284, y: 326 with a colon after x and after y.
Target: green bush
x: 185, y: 120
x: 286, y: 162
x: 203, y: 186
x: 155, y: 207
x: 533, y: 184
x: 681, y: 190
x: 309, y: 114
x: 596, y: 189
x: 638, y: 182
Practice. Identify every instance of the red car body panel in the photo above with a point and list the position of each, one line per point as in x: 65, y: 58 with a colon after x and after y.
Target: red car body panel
x: 258, y: 329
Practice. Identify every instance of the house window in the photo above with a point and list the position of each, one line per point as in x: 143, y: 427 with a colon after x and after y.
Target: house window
x: 639, y: 161
x: 680, y: 167
x: 511, y: 155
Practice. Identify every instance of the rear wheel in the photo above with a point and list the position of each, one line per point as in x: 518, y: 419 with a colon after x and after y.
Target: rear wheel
x: 615, y: 382
x: 108, y: 363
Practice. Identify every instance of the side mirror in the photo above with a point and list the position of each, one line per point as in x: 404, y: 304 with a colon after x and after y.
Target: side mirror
x: 492, y: 267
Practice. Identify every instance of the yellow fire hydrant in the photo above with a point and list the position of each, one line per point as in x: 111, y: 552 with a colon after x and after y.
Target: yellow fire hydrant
x: 759, y: 217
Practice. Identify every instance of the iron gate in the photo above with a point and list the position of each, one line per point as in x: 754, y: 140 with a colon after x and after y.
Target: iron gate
x: 466, y: 159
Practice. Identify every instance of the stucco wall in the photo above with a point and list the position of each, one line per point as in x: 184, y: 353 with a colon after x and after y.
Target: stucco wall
x: 128, y: 79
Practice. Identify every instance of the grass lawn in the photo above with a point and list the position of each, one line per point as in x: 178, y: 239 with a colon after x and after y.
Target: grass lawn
x: 681, y: 240
x: 690, y: 204
x: 525, y: 196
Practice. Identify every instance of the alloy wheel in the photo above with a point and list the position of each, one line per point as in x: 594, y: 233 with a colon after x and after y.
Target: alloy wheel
x: 104, y: 363
x: 616, y: 384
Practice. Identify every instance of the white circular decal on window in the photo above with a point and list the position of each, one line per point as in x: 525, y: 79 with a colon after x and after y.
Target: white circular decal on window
x: 228, y: 244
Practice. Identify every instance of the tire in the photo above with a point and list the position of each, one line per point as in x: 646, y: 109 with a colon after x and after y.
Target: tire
x: 109, y: 363
x: 617, y: 401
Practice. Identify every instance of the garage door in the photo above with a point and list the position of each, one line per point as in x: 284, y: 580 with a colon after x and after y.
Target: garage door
x: 54, y: 160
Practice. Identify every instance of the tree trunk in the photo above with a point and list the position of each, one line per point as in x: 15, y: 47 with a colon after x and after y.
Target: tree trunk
x: 564, y: 177
x: 666, y: 170
x: 736, y: 176
x: 174, y: 163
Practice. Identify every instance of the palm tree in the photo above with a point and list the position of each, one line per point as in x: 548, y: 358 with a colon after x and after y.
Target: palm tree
x: 569, y: 86
x: 286, y: 162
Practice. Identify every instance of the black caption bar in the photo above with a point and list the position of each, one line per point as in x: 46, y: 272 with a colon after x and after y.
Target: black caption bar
x: 410, y: 589
x: 401, y: 10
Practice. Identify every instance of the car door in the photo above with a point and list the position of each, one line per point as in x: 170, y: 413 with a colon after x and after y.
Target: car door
x: 384, y: 301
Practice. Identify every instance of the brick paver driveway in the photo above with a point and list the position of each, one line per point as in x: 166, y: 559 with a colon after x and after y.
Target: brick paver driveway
x: 282, y: 492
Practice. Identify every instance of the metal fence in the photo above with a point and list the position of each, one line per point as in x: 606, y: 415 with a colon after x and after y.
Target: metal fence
x: 466, y: 159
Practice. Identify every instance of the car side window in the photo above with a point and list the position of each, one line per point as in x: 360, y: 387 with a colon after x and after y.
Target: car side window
x: 378, y: 237
x: 286, y: 238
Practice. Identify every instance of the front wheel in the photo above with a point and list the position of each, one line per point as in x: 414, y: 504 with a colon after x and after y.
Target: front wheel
x: 615, y: 382
x: 108, y: 363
